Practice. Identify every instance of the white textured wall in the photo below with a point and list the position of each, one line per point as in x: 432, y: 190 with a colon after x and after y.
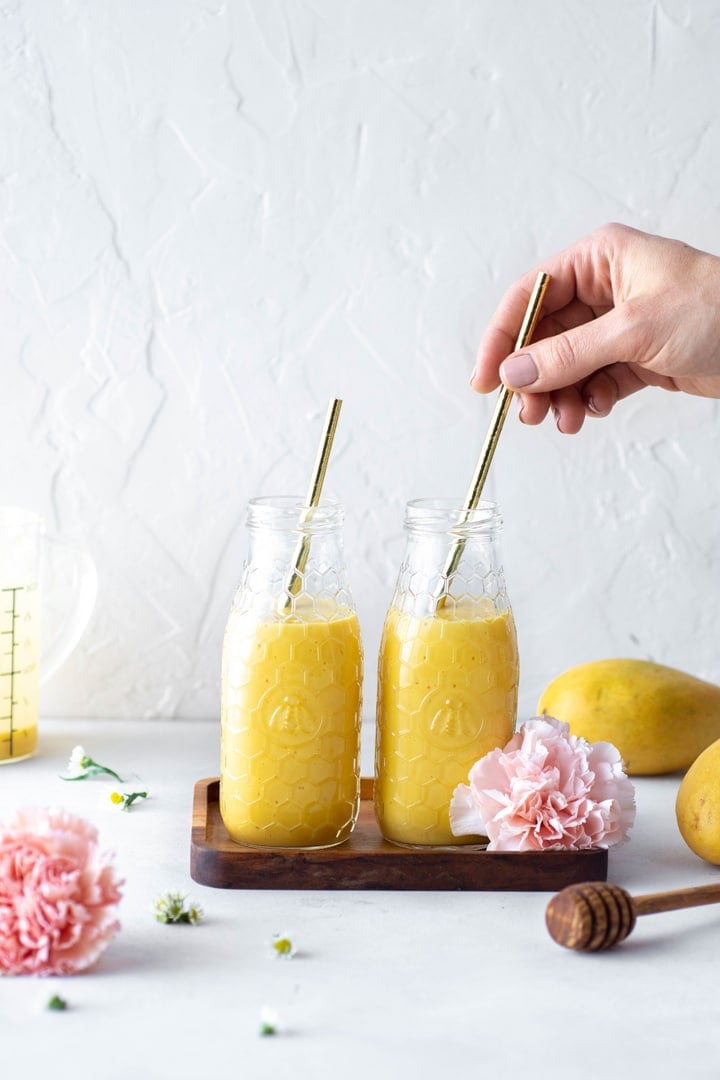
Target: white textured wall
x: 214, y: 216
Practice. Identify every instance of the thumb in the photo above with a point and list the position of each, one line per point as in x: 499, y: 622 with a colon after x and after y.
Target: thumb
x: 569, y: 358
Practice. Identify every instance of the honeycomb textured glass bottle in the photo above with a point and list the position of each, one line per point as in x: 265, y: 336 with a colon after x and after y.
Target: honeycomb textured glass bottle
x: 447, y: 672
x: 291, y: 684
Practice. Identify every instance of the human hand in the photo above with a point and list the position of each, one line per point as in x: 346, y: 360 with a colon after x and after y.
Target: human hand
x: 623, y: 310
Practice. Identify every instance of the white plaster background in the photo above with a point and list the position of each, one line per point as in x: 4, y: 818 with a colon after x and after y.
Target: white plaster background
x: 214, y: 216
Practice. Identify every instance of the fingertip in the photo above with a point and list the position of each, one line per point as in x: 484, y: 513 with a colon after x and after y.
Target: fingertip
x: 568, y: 409
x: 532, y: 408
x: 600, y: 394
x: 568, y: 425
x: 593, y: 409
x: 480, y: 382
x: 494, y: 347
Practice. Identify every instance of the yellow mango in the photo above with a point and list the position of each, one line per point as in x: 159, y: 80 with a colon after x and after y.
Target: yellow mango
x: 659, y: 719
x: 697, y: 806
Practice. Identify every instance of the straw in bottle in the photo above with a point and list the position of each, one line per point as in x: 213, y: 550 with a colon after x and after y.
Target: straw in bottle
x: 532, y: 314
x: 313, y: 498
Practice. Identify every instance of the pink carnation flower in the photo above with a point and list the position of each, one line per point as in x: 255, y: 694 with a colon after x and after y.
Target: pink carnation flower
x: 546, y: 789
x: 58, y: 895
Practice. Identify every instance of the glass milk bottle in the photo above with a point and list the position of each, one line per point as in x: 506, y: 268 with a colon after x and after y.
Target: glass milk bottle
x: 447, y: 672
x: 291, y: 683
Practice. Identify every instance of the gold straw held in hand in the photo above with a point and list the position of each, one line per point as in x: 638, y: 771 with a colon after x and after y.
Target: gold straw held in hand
x: 532, y: 314
x: 313, y: 498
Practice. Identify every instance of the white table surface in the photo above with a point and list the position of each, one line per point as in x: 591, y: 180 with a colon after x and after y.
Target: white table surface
x: 411, y: 984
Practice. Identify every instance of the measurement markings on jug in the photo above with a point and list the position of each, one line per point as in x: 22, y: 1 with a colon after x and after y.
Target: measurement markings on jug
x: 10, y: 612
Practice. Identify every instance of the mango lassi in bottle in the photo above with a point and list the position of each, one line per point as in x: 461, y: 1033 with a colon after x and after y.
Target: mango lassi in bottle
x: 447, y: 671
x: 291, y: 686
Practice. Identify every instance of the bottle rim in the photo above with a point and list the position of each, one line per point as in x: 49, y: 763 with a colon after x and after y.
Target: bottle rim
x: 290, y: 513
x: 447, y: 515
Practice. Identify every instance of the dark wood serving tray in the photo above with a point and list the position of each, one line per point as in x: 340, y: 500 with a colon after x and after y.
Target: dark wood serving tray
x: 367, y: 861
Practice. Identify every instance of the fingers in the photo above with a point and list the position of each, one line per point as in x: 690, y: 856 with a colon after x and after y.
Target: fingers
x: 567, y: 406
x: 500, y: 336
x: 568, y: 409
x: 580, y: 289
x: 596, y: 397
x: 572, y: 357
x: 533, y: 408
x: 601, y: 391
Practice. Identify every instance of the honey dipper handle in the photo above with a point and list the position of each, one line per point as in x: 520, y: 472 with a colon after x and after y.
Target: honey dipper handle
x: 676, y: 899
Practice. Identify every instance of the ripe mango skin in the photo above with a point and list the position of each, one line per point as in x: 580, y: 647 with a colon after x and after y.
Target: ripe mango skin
x: 659, y: 719
x: 697, y: 806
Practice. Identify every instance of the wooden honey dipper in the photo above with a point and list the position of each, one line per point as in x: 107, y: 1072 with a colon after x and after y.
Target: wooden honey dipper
x: 597, y: 914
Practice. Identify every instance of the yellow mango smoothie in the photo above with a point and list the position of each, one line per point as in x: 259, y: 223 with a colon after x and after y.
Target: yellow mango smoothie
x: 291, y: 727
x: 447, y: 694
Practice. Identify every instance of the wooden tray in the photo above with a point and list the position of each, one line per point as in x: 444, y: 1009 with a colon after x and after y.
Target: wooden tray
x: 367, y: 861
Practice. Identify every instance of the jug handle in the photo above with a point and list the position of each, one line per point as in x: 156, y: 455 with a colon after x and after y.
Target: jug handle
x: 76, y: 621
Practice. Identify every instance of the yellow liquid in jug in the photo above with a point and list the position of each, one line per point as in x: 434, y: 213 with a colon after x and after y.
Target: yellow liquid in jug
x: 291, y: 729
x: 19, y: 681
x: 447, y: 695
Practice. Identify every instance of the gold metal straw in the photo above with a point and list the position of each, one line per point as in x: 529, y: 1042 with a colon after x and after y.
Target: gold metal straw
x: 532, y: 313
x: 313, y: 498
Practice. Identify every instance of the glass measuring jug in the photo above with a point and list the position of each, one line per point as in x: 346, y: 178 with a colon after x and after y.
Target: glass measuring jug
x: 291, y: 684
x: 447, y: 671
x: 71, y: 575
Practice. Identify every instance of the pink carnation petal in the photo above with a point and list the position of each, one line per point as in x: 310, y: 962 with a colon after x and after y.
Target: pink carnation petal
x: 465, y: 816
